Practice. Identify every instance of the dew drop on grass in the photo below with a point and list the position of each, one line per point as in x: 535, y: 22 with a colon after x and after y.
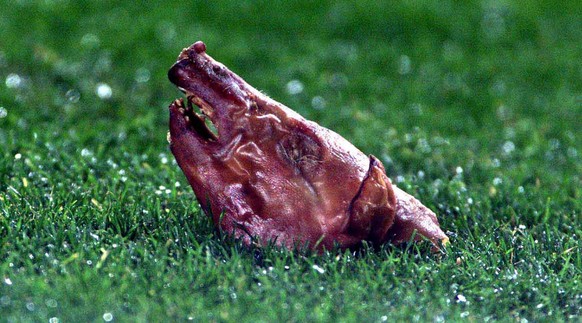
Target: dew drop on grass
x: 318, y: 269
x: 107, y: 317
x: 508, y: 147
x: 461, y: 298
x: 111, y: 163
x: 104, y: 91
x: 73, y: 96
x: 86, y: 152
x: 13, y: 81
x: 294, y: 87
x: 142, y: 75
x: 318, y: 103
x: 54, y: 320
x: 51, y: 303
x: 163, y: 159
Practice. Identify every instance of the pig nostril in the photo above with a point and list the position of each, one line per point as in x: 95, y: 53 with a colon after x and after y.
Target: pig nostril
x: 174, y: 74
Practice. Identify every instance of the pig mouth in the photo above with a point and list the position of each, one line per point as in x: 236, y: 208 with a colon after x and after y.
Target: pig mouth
x: 208, y: 85
x: 197, y: 119
x: 193, y: 111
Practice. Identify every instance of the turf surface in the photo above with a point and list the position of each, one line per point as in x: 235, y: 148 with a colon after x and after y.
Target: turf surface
x: 474, y: 107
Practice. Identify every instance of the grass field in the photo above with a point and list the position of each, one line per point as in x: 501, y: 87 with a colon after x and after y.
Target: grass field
x: 474, y: 107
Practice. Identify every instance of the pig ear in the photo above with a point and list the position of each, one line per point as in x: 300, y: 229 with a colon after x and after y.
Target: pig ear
x: 413, y: 219
x: 373, y: 208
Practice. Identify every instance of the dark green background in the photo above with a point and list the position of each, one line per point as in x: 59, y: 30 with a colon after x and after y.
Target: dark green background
x: 474, y: 107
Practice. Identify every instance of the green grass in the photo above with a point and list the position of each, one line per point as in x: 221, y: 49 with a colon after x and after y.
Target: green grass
x: 474, y: 107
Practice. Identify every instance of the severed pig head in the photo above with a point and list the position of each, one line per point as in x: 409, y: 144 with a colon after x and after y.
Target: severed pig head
x: 266, y: 174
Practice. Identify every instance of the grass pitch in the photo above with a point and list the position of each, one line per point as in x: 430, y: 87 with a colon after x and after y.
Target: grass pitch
x: 473, y: 107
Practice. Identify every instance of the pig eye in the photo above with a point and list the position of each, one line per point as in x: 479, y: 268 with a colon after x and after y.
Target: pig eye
x: 302, y: 152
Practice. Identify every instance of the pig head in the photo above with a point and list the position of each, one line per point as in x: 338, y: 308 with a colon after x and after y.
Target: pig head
x: 267, y: 175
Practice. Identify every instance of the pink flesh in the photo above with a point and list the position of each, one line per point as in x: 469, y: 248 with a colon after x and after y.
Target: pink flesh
x: 269, y: 175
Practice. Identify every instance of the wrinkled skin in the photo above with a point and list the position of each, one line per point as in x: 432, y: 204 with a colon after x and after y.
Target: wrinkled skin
x: 268, y: 175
